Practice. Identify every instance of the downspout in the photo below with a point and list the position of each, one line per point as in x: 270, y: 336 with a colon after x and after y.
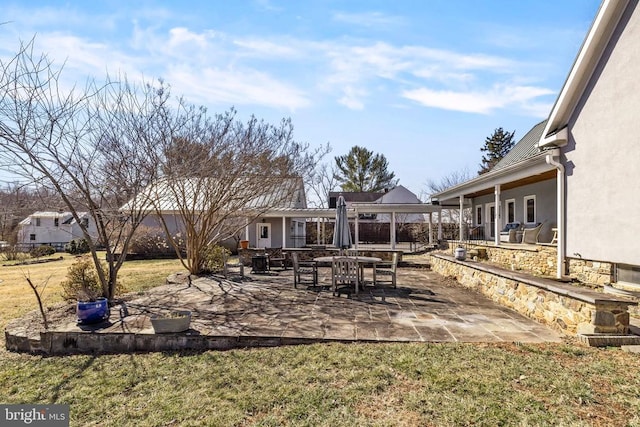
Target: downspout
x: 560, y: 192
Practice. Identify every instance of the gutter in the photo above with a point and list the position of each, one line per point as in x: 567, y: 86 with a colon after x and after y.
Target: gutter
x: 561, y: 210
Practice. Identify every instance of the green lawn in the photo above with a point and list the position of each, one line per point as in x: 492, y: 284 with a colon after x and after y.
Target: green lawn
x: 331, y: 385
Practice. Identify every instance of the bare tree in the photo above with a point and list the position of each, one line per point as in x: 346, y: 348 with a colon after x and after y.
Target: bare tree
x: 88, y: 146
x: 451, y: 180
x: 218, y: 173
x: 321, y: 182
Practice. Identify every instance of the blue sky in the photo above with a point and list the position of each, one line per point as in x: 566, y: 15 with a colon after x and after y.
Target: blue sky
x: 422, y: 82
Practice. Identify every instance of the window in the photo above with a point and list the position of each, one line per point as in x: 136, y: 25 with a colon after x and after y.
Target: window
x: 530, y: 209
x: 84, y: 222
x: 37, y: 222
x: 510, y: 210
x: 478, y: 215
x: 56, y: 222
x: 32, y: 237
x: 629, y: 274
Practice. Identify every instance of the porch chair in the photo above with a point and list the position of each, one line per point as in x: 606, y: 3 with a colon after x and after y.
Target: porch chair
x: 304, y: 272
x: 228, y: 266
x: 345, y: 273
x: 530, y: 235
x: 387, y: 268
x: 276, y: 258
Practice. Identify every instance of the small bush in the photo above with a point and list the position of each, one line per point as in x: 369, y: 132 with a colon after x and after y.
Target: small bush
x: 42, y: 250
x: 213, y: 259
x: 152, y: 241
x: 82, y: 283
x: 77, y: 247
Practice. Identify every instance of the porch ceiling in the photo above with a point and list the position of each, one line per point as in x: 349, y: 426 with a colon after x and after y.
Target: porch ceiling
x: 514, y: 184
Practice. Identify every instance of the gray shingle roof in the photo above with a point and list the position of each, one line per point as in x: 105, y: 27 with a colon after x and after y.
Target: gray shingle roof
x: 525, y: 148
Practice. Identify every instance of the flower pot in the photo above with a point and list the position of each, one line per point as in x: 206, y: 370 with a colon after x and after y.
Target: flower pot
x: 244, y: 244
x: 93, y: 311
x: 178, y: 321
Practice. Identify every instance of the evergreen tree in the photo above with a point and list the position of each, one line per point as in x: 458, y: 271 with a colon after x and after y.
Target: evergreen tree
x: 361, y: 170
x: 496, y: 147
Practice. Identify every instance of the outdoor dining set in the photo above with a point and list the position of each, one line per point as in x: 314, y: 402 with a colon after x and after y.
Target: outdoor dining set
x: 347, y: 265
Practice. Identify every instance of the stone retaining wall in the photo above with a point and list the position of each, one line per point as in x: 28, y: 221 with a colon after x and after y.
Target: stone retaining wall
x: 595, y: 272
x: 539, y: 260
x: 564, y: 307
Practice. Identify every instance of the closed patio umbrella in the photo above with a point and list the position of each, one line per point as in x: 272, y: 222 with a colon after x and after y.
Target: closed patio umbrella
x: 341, y: 232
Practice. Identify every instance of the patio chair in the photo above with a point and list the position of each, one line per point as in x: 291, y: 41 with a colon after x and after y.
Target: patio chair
x: 344, y: 272
x: 386, y: 269
x: 276, y: 258
x: 530, y: 235
x: 304, y: 272
x: 510, y: 232
x: 229, y: 266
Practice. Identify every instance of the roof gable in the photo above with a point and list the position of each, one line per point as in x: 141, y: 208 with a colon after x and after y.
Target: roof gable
x: 604, y: 25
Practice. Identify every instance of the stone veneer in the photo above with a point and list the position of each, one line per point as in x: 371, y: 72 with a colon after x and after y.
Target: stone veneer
x: 564, y: 307
x: 539, y: 260
x: 595, y: 272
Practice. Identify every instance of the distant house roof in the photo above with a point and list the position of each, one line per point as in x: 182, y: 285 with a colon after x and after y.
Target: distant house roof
x: 67, y: 217
x: 287, y: 194
x: 525, y: 148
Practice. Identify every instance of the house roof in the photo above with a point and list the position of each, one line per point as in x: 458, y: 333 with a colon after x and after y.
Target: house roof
x: 586, y: 61
x: 66, y: 216
x: 288, y: 193
x: 356, y: 196
x: 525, y: 148
x: 525, y: 160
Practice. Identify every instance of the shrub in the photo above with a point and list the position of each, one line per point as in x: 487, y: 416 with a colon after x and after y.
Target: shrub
x: 213, y: 258
x: 151, y: 241
x: 77, y: 247
x: 42, y: 250
x: 83, y: 283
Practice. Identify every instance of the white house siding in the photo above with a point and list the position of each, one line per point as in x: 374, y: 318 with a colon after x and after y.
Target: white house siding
x: 546, y: 202
x: 602, y: 156
x: 46, y: 232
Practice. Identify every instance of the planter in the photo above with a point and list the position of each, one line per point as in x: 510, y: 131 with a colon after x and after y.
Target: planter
x: 461, y: 254
x: 178, y: 321
x: 244, y: 244
x: 93, y: 311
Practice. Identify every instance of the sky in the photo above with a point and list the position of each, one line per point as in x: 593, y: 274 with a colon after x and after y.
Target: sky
x: 421, y: 82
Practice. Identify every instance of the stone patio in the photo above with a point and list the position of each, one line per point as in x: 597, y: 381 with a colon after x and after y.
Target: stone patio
x: 266, y: 310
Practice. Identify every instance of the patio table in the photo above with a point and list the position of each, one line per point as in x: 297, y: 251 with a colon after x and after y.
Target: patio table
x: 361, y: 260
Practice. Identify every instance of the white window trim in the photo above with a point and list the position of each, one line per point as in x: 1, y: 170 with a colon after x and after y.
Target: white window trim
x: 478, y: 208
x: 535, y: 209
x: 506, y: 210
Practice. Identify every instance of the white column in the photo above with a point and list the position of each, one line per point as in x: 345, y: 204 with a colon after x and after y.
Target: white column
x: 284, y: 231
x: 356, y: 237
x: 430, y: 228
x: 246, y: 230
x: 440, y: 224
x: 498, y: 218
x: 460, y: 219
x: 393, y: 231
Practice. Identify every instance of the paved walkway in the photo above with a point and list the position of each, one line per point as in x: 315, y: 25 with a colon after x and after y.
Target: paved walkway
x: 423, y: 308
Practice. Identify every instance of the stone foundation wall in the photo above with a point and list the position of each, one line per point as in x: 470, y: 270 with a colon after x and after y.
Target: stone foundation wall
x: 595, y: 272
x: 571, y: 311
x: 540, y: 260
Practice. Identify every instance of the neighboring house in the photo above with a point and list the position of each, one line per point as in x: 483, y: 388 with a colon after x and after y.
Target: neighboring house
x: 275, y: 219
x: 578, y: 170
x: 52, y: 228
x: 399, y: 195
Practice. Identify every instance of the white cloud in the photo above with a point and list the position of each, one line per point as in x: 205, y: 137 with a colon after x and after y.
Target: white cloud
x: 367, y: 19
x: 235, y: 87
x: 483, y: 102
